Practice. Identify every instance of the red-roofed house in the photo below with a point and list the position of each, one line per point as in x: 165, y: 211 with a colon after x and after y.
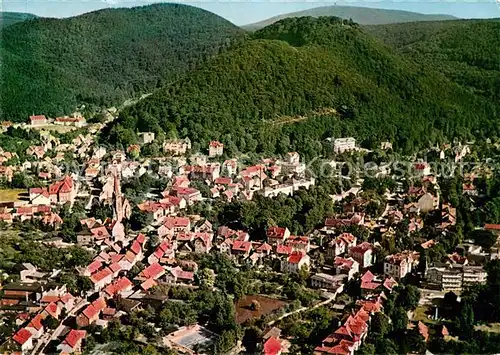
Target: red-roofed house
x: 51, y: 310
x: 264, y: 248
x: 146, y: 285
x: 73, y: 342
x: 241, y: 247
x: 295, y: 262
x: 277, y: 235
x: 174, y: 225
x: 153, y: 271
x: 215, y: 149
x: 299, y: 243
x: 121, y: 285
x: 345, y: 266
x: 177, y: 274
x: 91, y: 313
x: 38, y: 120
x: 24, y: 338
x: 272, y: 347
x: 363, y: 254
x: 92, y: 267
x: 399, y: 265
x: 35, y: 326
x: 102, y: 278
x: 63, y: 191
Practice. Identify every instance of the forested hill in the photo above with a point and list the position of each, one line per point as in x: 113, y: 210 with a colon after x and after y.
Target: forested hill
x: 466, y: 51
x: 9, y: 18
x: 52, y: 65
x: 360, y: 15
x: 277, y: 92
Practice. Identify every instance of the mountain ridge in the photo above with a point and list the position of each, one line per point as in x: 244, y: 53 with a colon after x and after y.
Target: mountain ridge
x: 360, y: 15
x: 8, y: 18
x: 296, y: 67
x: 104, y: 57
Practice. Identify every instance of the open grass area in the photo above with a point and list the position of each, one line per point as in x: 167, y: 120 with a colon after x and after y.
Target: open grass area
x: 490, y: 327
x: 11, y: 195
x: 422, y: 313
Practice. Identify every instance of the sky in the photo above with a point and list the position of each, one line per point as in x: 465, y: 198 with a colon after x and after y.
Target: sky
x: 242, y: 12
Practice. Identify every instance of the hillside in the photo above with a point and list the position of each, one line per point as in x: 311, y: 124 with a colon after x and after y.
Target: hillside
x: 466, y: 51
x: 10, y: 18
x: 52, y: 65
x: 360, y: 15
x: 301, y: 65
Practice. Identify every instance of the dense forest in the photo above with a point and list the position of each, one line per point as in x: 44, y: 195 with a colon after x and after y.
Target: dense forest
x: 467, y: 52
x: 302, y: 80
x: 51, y: 66
x: 10, y: 18
x: 361, y: 15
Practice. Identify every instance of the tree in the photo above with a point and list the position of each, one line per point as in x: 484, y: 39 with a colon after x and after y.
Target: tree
x: 399, y: 319
x: 251, y: 338
x: 225, y: 342
x: 380, y: 324
x: 408, y: 297
x: 367, y: 349
x: 206, y: 278
x: 139, y: 219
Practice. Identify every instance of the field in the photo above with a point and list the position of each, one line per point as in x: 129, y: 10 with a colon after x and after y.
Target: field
x: 422, y: 313
x: 11, y: 195
x: 491, y: 327
x: 266, y: 305
x: 56, y: 128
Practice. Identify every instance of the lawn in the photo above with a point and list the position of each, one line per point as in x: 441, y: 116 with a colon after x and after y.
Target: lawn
x: 490, y: 327
x: 11, y: 195
x: 422, y: 313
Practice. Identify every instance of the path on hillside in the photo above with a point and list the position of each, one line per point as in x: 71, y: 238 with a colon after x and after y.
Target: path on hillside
x: 329, y: 300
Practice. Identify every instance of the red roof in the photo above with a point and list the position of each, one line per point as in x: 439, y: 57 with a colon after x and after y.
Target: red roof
x: 22, y: 336
x: 264, y: 247
x: 284, y: 249
x: 94, y: 266
x: 216, y: 144
x: 176, y: 222
x: 36, y: 322
x: 74, y: 336
x: 367, y: 277
x: 223, y: 180
x: 99, y: 304
x: 49, y: 298
x: 276, y: 232
x: 146, y: 285
x: 272, y: 346
x: 141, y: 238
x: 118, y: 286
x: 242, y: 246
x: 295, y: 257
x: 136, y: 247
x: 492, y: 226
x: 52, y: 309
x: 361, y: 248
x: 38, y: 118
x: 181, y: 274
x: 100, y: 275
x: 153, y: 271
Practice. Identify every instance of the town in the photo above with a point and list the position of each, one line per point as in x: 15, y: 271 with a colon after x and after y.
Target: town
x: 157, y: 248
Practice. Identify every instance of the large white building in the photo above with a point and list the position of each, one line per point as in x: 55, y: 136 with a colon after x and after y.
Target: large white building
x: 454, y: 278
x: 341, y: 145
x: 401, y: 264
